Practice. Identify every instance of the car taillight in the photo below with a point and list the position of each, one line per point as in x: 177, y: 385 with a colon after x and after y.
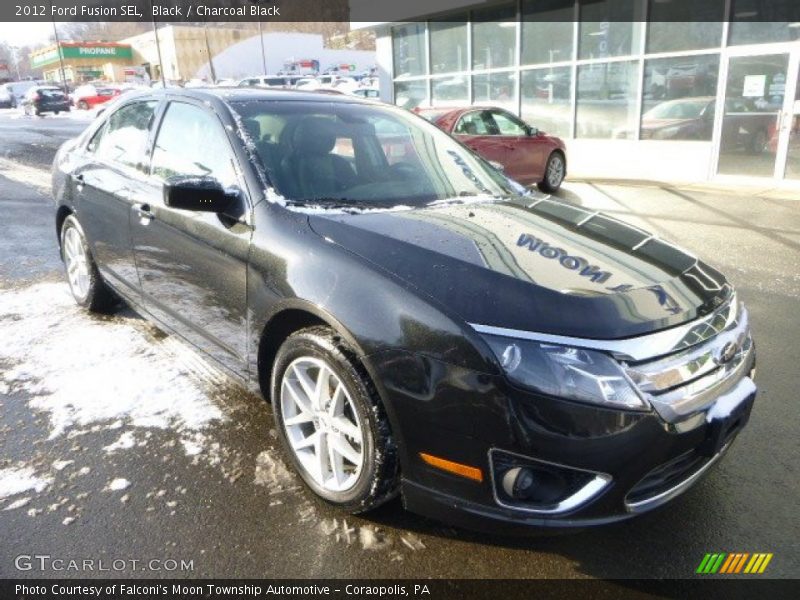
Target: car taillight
x: 37, y: 97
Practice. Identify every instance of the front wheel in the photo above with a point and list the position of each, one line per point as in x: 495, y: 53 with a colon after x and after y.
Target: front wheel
x: 83, y: 105
x: 553, y: 173
x: 331, y: 422
x: 87, y: 286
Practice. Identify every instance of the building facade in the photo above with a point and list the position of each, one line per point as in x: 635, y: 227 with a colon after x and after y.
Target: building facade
x: 648, y: 89
x: 234, y: 53
x: 83, y: 61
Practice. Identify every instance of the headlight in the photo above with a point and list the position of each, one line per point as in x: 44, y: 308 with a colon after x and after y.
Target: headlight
x: 565, y: 372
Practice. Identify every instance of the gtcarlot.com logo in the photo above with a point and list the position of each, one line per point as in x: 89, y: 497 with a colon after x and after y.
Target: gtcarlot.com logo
x: 734, y: 563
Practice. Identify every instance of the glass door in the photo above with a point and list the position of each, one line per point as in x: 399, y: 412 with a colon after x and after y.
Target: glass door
x: 753, y: 112
x: 791, y: 128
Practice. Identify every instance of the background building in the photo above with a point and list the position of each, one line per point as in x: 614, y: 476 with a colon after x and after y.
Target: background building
x: 83, y: 61
x: 236, y: 53
x: 633, y: 92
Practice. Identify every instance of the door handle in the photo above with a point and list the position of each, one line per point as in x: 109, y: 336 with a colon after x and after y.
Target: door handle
x: 144, y: 213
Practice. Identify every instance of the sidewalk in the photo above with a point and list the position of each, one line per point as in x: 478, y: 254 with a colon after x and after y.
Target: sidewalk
x: 788, y: 190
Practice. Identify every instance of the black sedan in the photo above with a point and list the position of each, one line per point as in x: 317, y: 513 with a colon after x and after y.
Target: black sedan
x: 44, y: 99
x: 422, y: 325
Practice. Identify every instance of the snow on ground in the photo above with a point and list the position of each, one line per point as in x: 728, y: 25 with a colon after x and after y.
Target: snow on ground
x: 120, y: 483
x: 73, y: 115
x: 37, y: 178
x: 15, y: 481
x: 83, y: 370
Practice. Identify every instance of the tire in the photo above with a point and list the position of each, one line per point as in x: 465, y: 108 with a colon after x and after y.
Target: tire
x: 83, y: 105
x: 554, y: 173
x: 357, y: 488
x: 85, y: 282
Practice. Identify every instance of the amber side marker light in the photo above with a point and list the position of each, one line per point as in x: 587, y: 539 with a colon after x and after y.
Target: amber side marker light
x: 452, y: 467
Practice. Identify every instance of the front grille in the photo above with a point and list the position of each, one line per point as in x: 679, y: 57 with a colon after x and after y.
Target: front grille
x: 666, y: 477
x: 685, y: 382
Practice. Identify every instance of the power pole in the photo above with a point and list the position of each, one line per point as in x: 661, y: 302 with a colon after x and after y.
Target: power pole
x: 208, y: 51
x: 58, y: 51
x: 263, y: 54
x: 158, y: 48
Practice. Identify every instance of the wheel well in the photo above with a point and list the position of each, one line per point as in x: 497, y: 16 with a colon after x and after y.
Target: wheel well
x: 61, y: 216
x: 280, y: 327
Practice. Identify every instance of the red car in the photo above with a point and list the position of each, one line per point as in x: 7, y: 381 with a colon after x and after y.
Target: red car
x: 527, y: 155
x: 89, y: 96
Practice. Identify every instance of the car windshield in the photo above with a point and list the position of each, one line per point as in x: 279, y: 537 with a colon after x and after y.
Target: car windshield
x: 51, y: 92
x: 341, y: 154
x: 677, y: 109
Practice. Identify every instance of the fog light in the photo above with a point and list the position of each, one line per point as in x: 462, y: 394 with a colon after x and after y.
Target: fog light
x: 537, y: 486
x: 518, y: 483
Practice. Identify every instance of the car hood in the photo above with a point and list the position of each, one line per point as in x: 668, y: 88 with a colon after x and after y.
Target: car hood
x: 542, y: 266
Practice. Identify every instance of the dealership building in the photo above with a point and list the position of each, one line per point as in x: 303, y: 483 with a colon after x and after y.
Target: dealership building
x: 83, y: 61
x: 649, y: 89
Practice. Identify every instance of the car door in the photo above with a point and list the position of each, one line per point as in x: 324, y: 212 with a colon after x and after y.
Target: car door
x: 476, y: 130
x: 526, y: 153
x: 192, y: 265
x: 103, y: 191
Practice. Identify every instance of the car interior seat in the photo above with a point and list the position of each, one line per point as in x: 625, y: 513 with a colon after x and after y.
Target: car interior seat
x: 311, y: 170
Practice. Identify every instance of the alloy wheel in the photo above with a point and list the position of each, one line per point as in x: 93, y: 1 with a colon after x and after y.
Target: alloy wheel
x: 77, y: 263
x: 322, y: 424
x: 555, y: 171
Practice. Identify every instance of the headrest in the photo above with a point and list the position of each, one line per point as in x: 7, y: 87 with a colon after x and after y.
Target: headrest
x: 315, y: 136
x: 253, y: 128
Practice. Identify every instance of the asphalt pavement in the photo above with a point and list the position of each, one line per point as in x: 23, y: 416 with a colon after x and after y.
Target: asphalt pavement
x: 117, y: 442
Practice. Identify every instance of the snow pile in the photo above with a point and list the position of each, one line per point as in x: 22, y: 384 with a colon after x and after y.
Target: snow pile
x: 84, y: 370
x: 22, y: 479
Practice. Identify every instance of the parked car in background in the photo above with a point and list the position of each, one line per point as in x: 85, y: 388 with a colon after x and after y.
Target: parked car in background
x: 527, y: 155
x: 367, y: 92
x: 90, y: 95
x: 421, y: 327
x: 45, y: 98
x: 682, y: 119
x: 265, y: 81
x: 11, y: 93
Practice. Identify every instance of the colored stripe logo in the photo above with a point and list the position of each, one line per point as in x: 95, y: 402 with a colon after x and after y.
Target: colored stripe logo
x: 734, y: 563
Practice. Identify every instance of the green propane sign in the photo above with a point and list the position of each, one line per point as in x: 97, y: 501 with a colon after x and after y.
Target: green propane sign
x: 99, y: 51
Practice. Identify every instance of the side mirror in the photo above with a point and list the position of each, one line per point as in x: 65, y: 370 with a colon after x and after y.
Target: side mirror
x: 202, y: 194
x: 531, y: 130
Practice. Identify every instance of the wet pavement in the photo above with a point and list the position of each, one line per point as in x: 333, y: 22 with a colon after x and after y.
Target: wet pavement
x: 119, y: 442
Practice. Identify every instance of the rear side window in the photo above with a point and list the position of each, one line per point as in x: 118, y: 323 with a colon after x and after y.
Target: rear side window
x: 123, y: 139
x: 191, y: 141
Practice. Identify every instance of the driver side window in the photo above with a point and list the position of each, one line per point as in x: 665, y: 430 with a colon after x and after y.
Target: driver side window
x: 508, y: 125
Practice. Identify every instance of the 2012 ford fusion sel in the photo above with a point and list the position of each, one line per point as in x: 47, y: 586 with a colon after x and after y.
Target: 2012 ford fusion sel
x: 422, y: 325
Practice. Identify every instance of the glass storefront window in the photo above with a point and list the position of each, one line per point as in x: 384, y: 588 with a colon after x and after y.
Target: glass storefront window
x: 450, y: 91
x: 607, y: 94
x: 448, y: 46
x: 609, y: 28
x: 498, y: 89
x: 684, y: 25
x: 408, y: 45
x: 547, y: 31
x: 546, y: 99
x: 754, y: 94
x: 494, y: 37
x: 410, y: 94
x: 763, y: 21
x: 679, y: 95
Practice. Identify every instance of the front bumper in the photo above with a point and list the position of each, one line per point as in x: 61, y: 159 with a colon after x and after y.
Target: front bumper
x: 635, y: 461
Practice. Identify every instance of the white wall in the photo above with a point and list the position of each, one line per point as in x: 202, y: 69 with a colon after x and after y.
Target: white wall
x: 244, y: 59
